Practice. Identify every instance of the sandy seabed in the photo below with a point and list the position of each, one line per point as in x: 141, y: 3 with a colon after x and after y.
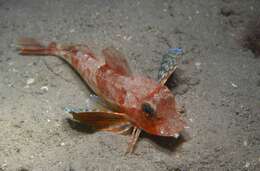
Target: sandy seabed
x: 220, y: 84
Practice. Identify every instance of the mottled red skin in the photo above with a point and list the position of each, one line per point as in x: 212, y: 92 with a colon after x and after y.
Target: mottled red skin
x: 110, y: 78
x: 128, y: 93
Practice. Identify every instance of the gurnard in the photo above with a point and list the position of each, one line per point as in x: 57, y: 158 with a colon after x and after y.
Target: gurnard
x: 137, y: 102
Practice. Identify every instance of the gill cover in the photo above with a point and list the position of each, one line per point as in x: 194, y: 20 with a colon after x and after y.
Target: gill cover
x: 157, y: 113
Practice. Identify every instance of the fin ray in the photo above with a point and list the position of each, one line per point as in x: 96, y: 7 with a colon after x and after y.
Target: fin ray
x: 116, y: 61
x: 29, y: 46
x: 103, y: 120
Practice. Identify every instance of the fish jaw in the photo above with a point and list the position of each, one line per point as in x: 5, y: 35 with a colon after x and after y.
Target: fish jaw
x: 170, y: 127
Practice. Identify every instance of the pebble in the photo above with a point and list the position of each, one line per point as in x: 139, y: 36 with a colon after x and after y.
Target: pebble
x: 128, y: 38
x: 11, y: 85
x: 44, y: 88
x: 14, y: 70
x: 198, y: 65
x: 30, y: 81
x: 3, y: 166
x: 234, y: 85
x: 247, y: 164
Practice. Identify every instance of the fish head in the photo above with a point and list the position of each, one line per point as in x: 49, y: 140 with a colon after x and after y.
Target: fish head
x: 156, y: 113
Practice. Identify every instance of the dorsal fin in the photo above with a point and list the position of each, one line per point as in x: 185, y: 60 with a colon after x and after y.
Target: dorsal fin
x: 116, y: 61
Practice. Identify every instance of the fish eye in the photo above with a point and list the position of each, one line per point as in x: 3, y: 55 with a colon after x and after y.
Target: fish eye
x: 148, y: 109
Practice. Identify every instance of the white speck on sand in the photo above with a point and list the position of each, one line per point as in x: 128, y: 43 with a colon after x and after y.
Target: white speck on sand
x: 245, y: 143
x: 44, y: 88
x: 247, y: 164
x: 30, y: 81
x: 234, y: 85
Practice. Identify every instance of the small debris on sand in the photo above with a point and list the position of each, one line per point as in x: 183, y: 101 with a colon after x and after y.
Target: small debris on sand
x: 30, y: 81
x: 247, y: 164
x: 44, y: 88
x: 3, y: 166
x: 234, y: 85
x: 198, y: 65
x: 245, y: 143
x: 72, y: 30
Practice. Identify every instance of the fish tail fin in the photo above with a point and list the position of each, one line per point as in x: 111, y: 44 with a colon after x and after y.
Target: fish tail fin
x: 29, y: 46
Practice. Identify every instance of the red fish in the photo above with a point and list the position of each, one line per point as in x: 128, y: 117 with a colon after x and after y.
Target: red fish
x: 138, y: 102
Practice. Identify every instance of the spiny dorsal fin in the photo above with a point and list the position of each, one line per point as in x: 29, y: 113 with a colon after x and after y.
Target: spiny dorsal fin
x: 116, y: 61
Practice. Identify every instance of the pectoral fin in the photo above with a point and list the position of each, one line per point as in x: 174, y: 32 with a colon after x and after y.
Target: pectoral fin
x: 167, y: 75
x: 168, y: 64
x: 105, y: 121
x: 116, y: 61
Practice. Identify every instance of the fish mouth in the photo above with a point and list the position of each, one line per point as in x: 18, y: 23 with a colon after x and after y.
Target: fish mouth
x: 166, y: 128
x: 171, y: 128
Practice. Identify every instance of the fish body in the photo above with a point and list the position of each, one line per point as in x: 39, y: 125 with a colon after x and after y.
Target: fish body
x: 137, y: 100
